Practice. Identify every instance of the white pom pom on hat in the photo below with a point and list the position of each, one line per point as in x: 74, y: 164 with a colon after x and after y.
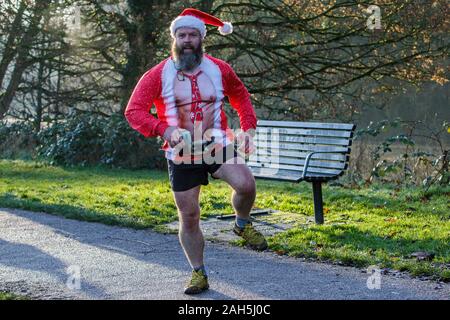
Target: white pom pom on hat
x: 193, y: 18
x: 227, y: 28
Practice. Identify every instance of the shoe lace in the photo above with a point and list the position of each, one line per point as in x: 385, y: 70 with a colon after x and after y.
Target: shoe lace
x: 251, y: 232
x: 196, y: 278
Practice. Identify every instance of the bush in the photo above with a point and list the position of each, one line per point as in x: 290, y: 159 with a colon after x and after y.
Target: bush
x: 125, y: 147
x: 17, y: 140
x: 85, y: 139
x: 398, y: 158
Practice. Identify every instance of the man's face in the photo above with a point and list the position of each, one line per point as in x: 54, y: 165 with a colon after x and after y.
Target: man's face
x: 188, y: 39
x: 187, y: 48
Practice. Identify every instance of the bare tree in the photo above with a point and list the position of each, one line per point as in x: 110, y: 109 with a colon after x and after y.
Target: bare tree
x: 299, y: 59
x: 319, y: 59
x: 20, y: 52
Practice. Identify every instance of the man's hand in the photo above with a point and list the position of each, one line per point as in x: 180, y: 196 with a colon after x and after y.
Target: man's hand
x: 245, y: 142
x: 173, y: 135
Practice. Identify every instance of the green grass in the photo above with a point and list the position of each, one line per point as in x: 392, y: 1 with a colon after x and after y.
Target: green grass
x: 380, y: 225
x: 9, y: 296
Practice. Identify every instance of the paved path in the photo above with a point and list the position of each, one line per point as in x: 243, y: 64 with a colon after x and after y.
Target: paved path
x: 36, y: 250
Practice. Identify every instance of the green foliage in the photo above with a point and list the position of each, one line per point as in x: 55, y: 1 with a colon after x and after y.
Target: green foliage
x: 90, y: 140
x: 17, y: 140
x: 9, y: 296
x: 82, y: 139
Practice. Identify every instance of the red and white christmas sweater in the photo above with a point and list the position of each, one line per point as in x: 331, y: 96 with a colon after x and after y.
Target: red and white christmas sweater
x: 174, y: 98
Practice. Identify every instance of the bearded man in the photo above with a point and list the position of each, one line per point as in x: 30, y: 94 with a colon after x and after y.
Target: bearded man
x: 188, y: 90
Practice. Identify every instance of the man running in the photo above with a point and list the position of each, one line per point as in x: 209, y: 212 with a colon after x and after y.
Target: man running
x: 188, y: 90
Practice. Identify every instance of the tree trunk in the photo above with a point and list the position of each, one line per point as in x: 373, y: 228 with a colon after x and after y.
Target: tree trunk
x: 22, y: 61
x: 10, y: 51
x: 38, y: 117
x: 142, y: 41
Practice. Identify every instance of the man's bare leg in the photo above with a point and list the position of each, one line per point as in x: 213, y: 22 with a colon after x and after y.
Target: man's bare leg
x: 190, y: 234
x: 240, y: 178
x: 242, y: 201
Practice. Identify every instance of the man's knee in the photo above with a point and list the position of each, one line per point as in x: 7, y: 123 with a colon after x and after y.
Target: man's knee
x: 190, y: 219
x: 247, y: 187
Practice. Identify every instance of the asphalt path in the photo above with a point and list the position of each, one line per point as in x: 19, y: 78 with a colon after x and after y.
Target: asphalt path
x: 45, y: 256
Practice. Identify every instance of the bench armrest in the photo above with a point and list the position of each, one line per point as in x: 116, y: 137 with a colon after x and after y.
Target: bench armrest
x: 308, y: 158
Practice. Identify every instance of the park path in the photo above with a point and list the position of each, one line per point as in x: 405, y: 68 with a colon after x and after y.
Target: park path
x: 41, y: 254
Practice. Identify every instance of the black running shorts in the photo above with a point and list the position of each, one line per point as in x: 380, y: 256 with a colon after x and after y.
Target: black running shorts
x: 184, y: 176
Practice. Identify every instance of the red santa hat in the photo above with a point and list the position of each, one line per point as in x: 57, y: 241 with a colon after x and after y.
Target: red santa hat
x: 193, y: 18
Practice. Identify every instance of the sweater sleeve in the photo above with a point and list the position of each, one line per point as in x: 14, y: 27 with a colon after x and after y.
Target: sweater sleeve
x: 137, y: 111
x: 239, y: 99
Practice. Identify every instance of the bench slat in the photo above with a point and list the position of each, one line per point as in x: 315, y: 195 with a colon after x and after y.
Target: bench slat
x: 294, y: 168
x: 301, y: 147
x: 299, y: 139
x: 312, y: 163
x: 306, y: 132
x: 308, y: 125
x: 301, y: 155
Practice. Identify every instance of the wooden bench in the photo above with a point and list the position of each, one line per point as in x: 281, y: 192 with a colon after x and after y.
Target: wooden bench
x: 302, y: 151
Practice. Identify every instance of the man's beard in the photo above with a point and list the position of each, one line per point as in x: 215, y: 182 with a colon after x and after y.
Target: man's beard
x: 187, y: 61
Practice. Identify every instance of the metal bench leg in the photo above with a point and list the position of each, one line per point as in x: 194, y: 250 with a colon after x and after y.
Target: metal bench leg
x: 318, y: 204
